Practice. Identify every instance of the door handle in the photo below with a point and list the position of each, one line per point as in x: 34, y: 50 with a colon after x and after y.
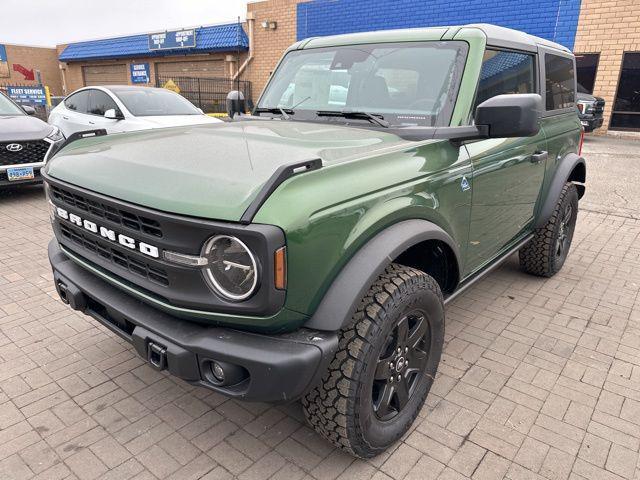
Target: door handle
x: 91, y: 123
x: 65, y: 117
x: 539, y: 157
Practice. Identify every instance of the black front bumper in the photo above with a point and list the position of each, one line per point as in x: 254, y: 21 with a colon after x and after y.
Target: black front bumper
x: 271, y: 368
x: 590, y: 123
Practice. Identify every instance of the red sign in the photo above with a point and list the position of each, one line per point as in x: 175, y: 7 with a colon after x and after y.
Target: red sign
x: 28, y: 74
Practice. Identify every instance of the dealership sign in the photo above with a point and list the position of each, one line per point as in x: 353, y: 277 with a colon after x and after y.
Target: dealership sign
x: 28, y: 95
x: 172, y: 40
x: 139, y: 72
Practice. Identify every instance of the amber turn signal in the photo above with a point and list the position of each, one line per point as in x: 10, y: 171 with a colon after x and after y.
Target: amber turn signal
x: 280, y: 261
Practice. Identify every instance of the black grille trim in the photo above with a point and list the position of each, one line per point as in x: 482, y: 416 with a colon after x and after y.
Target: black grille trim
x: 32, y: 151
x: 116, y: 257
x: 187, y: 287
x: 102, y: 210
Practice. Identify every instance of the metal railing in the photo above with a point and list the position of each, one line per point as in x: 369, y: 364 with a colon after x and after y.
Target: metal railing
x: 209, y: 94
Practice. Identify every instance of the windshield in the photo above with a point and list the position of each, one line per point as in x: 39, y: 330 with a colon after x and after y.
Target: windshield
x: 7, y: 107
x: 410, y: 83
x: 150, y: 103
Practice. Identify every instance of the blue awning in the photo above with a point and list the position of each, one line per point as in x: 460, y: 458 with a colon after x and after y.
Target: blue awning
x: 216, y: 38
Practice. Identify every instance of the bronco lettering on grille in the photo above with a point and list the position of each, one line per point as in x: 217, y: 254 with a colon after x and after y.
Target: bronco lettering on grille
x: 107, y: 233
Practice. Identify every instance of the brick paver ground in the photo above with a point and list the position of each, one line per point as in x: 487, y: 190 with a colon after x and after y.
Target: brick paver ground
x: 539, y: 379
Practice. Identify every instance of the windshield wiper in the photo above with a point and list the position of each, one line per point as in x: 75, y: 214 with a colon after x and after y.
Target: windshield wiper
x: 377, y: 119
x: 284, y: 112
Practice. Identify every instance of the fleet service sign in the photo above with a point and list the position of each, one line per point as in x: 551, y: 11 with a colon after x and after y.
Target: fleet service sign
x: 28, y: 95
x: 172, y: 40
x: 139, y: 72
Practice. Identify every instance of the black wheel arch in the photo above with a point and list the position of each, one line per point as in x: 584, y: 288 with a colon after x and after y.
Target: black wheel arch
x: 351, y: 284
x: 571, y: 168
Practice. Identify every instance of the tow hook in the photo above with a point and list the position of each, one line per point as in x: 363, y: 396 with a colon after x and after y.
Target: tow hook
x: 157, y: 356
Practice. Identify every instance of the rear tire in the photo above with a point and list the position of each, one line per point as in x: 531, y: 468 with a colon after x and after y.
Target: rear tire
x: 547, y: 251
x: 385, y: 365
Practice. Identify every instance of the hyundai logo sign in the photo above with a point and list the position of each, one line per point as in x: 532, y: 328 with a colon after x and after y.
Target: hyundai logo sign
x: 14, y: 147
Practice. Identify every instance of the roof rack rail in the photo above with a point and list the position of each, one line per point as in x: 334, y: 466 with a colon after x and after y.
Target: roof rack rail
x: 78, y: 136
x: 282, y: 174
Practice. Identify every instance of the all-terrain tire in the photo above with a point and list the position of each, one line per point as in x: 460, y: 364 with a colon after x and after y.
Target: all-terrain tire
x: 541, y: 256
x: 341, y: 407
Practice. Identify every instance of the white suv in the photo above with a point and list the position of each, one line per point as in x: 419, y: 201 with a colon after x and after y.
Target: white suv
x: 123, y: 109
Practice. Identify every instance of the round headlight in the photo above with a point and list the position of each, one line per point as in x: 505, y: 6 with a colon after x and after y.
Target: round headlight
x: 231, y: 268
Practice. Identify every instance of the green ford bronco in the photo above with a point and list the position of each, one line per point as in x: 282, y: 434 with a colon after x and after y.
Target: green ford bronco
x: 307, y: 251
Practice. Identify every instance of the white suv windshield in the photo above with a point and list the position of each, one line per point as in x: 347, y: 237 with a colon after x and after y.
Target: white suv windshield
x: 410, y: 83
x: 142, y: 102
x: 7, y: 107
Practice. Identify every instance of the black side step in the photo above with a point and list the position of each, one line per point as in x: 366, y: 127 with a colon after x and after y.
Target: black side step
x: 79, y: 136
x: 283, y: 173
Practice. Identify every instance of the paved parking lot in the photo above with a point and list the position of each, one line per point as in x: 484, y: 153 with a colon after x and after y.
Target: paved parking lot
x: 540, y: 378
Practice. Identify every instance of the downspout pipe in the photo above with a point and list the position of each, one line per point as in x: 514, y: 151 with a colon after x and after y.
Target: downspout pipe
x: 250, y: 22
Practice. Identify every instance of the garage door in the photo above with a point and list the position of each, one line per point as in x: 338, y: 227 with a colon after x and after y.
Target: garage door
x: 105, y: 74
x: 201, y: 69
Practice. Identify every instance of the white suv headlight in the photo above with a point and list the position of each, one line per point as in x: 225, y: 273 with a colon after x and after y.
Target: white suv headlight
x: 56, y: 135
x: 231, y: 270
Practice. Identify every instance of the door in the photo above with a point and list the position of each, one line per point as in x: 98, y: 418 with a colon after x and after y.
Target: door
x: 626, y: 108
x: 105, y: 75
x: 507, y: 172
x: 199, y: 69
x: 73, y: 118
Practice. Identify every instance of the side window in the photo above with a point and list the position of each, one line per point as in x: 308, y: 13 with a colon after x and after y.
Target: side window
x: 100, y: 102
x: 78, y: 102
x: 505, y: 72
x: 560, y: 82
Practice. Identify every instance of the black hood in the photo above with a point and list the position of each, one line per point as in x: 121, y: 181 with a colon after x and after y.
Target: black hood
x: 22, y: 127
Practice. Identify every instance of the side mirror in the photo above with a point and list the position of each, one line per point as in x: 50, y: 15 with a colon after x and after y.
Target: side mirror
x: 512, y: 115
x: 235, y: 103
x: 29, y: 110
x: 113, y: 114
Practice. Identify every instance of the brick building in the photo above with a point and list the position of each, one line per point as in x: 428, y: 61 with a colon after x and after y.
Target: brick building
x: 604, y: 33
x: 214, y: 53
x: 25, y: 65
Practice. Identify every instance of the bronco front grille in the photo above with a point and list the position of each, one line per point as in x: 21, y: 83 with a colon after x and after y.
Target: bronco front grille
x: 121, y: 217
x: 105, y: 251
x: 31, y: 152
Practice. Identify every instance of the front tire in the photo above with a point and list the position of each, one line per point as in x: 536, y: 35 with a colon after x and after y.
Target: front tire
x: 547, y: 251
x: 385, y: 365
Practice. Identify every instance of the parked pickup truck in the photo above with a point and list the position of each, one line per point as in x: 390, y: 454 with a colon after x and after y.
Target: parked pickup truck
x: 590, y: 109
x: 308, y: 251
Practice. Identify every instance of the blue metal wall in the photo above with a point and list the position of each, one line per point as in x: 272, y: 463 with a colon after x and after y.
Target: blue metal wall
x: 555, y: 20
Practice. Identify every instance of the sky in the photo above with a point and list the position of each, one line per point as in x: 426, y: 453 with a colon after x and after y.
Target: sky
x: 49, y: 23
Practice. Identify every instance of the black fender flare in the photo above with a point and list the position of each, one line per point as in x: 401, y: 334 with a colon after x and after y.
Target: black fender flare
x: 561, y: 176
x: 354, y: 280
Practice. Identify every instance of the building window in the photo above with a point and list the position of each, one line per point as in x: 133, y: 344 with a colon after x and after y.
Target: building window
x: 559, y: 81
x: 505, y: 72
x: 586, y: 69
x: 626, y: 109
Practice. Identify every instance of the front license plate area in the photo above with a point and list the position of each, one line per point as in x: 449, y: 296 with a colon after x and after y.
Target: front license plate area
x: 19, y: 173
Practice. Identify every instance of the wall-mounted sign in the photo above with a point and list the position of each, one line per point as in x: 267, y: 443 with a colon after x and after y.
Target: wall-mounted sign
x: 4, y: 64
x: 173, y: 39
x: 28, y: 95
x: 139, y: 72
